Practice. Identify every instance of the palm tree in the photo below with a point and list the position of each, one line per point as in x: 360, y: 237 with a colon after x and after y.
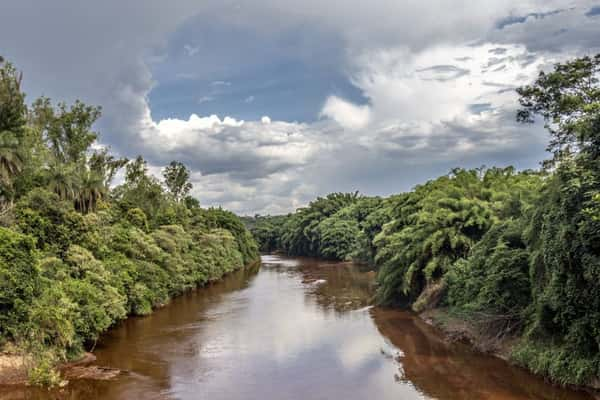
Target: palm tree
x: 62, y: 180
x: 12, y: 119
x: 11, y: 161
x: 91, y: 189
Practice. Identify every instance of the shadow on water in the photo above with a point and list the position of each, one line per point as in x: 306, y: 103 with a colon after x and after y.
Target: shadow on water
x: 451, y: 371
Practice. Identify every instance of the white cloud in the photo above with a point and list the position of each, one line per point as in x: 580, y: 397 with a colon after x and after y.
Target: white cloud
x: 438, y: 90
x: 413, y: 120
x: 213, y: 145
x: 249, y: 99
x: 348, y: 115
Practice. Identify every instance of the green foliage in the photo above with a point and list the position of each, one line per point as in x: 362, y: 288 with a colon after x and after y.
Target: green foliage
x: 564, y: 231
x: 13, y: 113
x: 515, y: 253
x: 43, y: 373
x: 492, y: 286
x: 67, y: 130
x: 53, y: 223
x: 568, y: 99
x: 217, y: 218
x: 440, y: 223
x: 137, y: 218
x: 337, y: 237
x: 316, y: 230
x: 19, y: 279
x: 177, y: 180
x: 557, y: 362
x: 77, y: 256
x: 267, y: 230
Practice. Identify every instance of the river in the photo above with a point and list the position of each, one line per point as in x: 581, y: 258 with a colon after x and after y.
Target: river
x: 295, y: 329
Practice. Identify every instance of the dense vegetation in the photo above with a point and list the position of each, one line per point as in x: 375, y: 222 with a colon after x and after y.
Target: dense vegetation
x: 516, y: 253
x: 78, y: 255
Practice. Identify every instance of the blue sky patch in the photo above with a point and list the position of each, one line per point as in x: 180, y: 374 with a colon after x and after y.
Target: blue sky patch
x: 592, y: 12
x: 287, y: 76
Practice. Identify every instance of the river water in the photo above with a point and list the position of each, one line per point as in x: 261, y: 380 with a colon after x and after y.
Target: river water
x: 295, y: 329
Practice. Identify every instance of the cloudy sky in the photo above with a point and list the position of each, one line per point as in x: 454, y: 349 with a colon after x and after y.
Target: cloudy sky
x: 271, y: 103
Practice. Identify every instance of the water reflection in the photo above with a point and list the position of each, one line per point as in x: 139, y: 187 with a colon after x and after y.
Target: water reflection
x: 298, y: 329
x: 456, y: 371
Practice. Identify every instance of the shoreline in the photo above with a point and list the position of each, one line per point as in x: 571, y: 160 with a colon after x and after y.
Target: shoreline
x: 455, y: 330
x: 13, y: 363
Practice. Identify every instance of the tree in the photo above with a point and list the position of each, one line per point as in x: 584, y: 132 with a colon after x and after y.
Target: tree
x: 13, y: 112
x: 19, y: 279
x: 106, y: 166
x: 136, y: 171
x: 568, y: 99
x: 177, y: 177
x: 440, y: 222
x: 91, y: 190
x: 143, y: 191
x: 62, y: 179
x: 564, y: 231
x: 11, y: 160
x: 68, y: 271
x: 301, y: 234
x: 67, y: 130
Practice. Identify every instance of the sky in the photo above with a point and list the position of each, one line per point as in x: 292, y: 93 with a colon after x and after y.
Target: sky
x: 271, y: 103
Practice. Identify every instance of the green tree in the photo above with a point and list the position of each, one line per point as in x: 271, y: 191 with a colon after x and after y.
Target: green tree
x: 568, y: 99
x: 13, y: 112
x: 19, y: 281
x: 91, y: 190
x: 67, y: 130
x: 106, y: 166
x: 564, y: 232
x: 440, y: 222
x: 69, y: 269
x: 62, y: 179
x: 177, y: 180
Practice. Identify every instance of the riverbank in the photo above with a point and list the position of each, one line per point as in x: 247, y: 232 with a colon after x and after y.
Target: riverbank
x: 16, y: 364
x: 298, y: 327
x: 456, y: 329
x: 12, y: 369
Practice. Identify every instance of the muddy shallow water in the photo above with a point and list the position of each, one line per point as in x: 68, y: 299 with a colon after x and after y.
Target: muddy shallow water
x: 296, y: 328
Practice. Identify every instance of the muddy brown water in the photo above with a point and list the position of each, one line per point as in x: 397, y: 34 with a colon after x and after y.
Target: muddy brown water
x: 296, y: 328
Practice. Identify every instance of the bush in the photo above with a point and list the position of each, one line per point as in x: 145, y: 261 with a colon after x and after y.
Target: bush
x: 137, y: 218
x: 492, y: 285
x: 19, y: 281
x: 557, y: 362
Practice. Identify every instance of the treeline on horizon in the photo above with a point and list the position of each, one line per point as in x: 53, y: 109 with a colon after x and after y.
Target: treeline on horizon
x: 516, y: 253
x: 77, y: 255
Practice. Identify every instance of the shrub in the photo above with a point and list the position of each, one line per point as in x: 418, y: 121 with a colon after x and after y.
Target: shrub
x: 19, y: 280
